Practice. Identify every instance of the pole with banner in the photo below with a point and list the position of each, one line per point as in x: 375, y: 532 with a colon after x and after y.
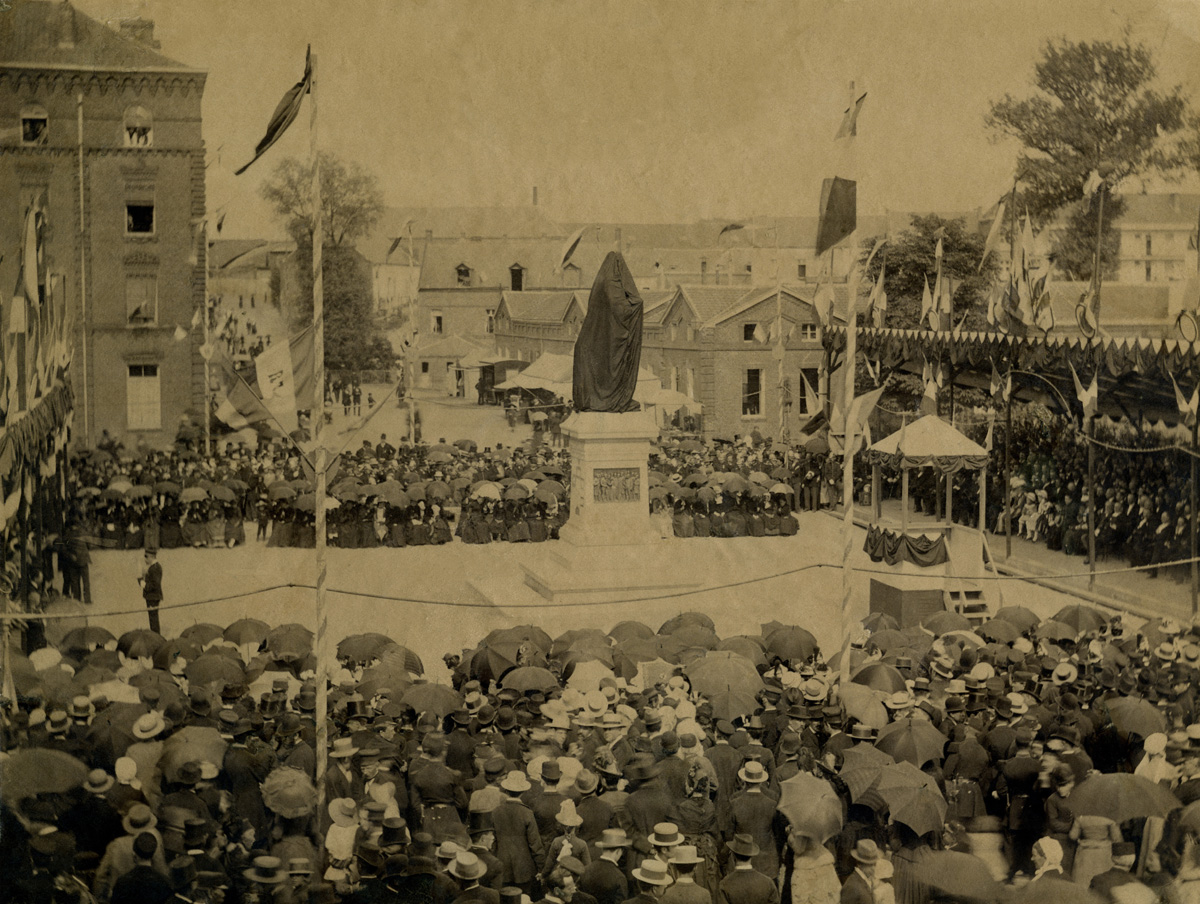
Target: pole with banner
x: 317, y: 419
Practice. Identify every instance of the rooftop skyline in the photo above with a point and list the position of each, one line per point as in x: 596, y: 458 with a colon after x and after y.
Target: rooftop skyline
x: 638, y: 112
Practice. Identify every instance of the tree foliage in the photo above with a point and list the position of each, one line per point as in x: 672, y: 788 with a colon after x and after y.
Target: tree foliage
x: 353, y: 340
x: 1097, y: 108
x: 350, y: 199
x: 909, y: 260
x: 1074, y: 246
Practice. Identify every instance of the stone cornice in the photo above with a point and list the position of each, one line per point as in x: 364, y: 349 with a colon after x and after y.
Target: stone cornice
x: 167, y: 82
x: 71, y: 151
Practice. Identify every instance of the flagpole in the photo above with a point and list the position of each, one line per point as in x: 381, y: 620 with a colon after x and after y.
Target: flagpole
x: 317, y: 418
x: 848, y: 465
x: 1097, y: 271
x: 1192, y: 525
x: 207, y: 378
x: 83, y: 317
x: 1089, y: 431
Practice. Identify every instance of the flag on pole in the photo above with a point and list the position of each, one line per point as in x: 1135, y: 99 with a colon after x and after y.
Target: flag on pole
x: 1001, y: 388
x: 838, y: 213
x: 929, y: 398
x: 879, y: 299
x: 987, y: 440
x: 1187, y: 407
x: 1043, y: 312
x: 937, y: 254
x: 731, y: 228
x: 812, y: 401
x: 1089, y: 398
x: 273, y: 368
x: 285, y: 113
x: 760, y: 334
x: 568, y: 248
x: 927, y: 308
x: 849, y: 126
x: 993, y: 236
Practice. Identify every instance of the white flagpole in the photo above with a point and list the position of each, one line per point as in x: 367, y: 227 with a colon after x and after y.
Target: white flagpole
x: 316, y: 418
x: 83, y: 313
x: 848, y: 469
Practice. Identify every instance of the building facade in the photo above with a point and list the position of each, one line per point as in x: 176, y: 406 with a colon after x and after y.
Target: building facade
x: 714, y: 344
x: 106, y: 132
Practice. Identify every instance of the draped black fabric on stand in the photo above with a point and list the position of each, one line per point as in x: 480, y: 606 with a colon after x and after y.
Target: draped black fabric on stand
x: 892, y: 547
x: 609, y: 348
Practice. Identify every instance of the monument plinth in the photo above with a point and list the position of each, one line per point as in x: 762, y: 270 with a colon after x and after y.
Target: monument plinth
x: 609, y: 549
x: 610, y: 503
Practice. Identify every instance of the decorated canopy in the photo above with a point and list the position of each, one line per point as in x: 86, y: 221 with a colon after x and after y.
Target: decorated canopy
x: 928, y: 442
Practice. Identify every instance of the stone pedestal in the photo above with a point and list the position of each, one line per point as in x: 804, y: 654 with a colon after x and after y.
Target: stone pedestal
x: 609, y: 548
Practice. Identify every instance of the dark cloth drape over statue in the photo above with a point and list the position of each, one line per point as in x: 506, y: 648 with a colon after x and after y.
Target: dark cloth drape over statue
x: 609, y: 348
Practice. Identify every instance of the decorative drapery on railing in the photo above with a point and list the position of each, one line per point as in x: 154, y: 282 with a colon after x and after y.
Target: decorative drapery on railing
x: 889, y: 546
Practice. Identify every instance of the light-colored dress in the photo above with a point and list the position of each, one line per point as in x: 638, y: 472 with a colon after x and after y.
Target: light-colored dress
x: 814, y: 878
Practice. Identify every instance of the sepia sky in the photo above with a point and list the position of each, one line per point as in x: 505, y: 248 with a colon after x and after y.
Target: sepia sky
x: 637, y: 110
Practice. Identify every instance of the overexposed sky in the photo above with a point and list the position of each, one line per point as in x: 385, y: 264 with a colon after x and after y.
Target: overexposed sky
x: 638, y: 110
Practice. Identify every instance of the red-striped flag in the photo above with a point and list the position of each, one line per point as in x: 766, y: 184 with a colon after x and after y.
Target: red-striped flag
x: 285, y: 113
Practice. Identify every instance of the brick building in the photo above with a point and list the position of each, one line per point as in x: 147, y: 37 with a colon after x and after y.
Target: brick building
x: 108, y: 131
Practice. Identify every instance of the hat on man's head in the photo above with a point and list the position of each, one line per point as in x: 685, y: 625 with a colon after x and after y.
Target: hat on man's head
x: 98, y: 781
x: 265, y: 871
x: 614, y: 838
x: 145, y: 845
x: 467, y: 866
x: 743, y: 845
x: 665, y: 834
x: 653, y: 872
x: 138, y: 819
x: 342, y: 748
x: 865, y: 851
x: 515, y: 782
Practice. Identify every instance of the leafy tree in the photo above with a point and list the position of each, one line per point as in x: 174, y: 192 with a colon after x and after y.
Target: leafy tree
x: 353, y: 340
x: 1097, y: 109
x: 350, y: 199
x: 1074, y: 247
x: 910, y: 259
x: 350, y: 205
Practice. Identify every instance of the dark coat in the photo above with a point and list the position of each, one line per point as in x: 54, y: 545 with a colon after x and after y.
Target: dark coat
x: 605, y: 881
x: 747, y: 886
x: 518, y: 842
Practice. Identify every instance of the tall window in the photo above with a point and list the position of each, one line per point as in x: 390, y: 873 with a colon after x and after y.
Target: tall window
x: 463, y: 272
x: 435, y: 322
x: 141, y: 299
x: 35, y: 126
x: 703, y: 271
x: 139, y: 218
x: 1148, y: 243
x: 801, y: 271
x: 1149, y: 272
x: 752, y: 393
x: 748, y: 331
x: 143, y: 397
x: 516, y: 275
x: 138, y: 128
x: 491, y: 320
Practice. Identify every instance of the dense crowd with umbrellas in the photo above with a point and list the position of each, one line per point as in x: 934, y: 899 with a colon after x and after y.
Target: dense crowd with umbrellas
x: 1021, y: 759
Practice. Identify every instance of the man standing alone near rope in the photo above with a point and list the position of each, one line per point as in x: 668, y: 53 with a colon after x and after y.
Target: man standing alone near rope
x: 151, y: 581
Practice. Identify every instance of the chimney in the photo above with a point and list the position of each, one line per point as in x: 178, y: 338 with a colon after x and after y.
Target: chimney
x: 139, y: 30
x: 535, y: 196
x: 66, y: 26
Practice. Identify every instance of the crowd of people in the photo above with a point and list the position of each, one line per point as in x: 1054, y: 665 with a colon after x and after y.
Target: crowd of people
x: 1142, y: 512
x: 1031, y: 761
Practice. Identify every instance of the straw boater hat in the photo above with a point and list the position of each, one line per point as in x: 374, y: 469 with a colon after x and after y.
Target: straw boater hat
x: 666, y: 834
x: 467, y: 866
x: 139, y: 819
x: 685, y: 854
x: 753, y: 772
x: 614, y: 838
x: 653, y: 872
x: 265, y: 871
x: 148, y: 726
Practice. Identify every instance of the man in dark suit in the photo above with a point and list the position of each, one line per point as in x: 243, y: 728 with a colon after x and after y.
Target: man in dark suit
x: 754, y: 813
x: 151, y: 582
x: 518, y: 842
x: 143, y: 884
x: 652, y: 877
x: 859, y: 887
x: 468, y: 870
x: 726, y: 761
x: 603, y: 878
x: 743, y: 884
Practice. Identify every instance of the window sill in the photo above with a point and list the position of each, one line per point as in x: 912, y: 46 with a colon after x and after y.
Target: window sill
x: 141, y: 237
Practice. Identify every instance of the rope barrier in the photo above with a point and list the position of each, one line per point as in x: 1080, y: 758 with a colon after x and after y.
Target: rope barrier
x: 466, y: 604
